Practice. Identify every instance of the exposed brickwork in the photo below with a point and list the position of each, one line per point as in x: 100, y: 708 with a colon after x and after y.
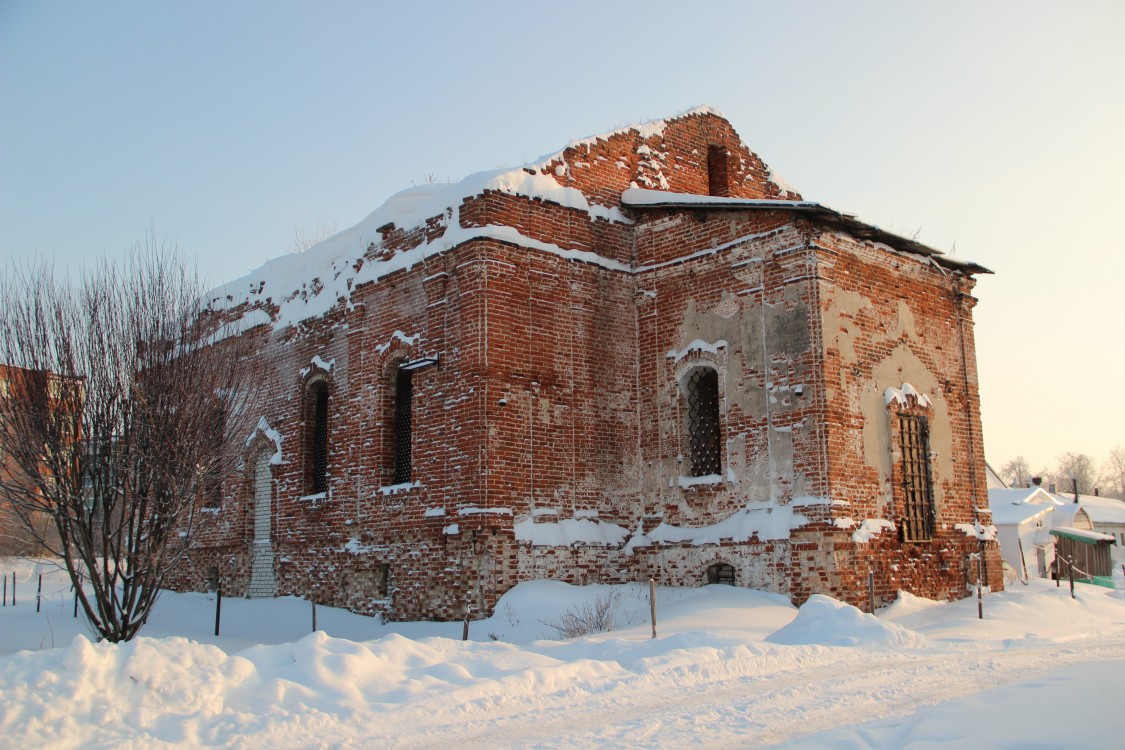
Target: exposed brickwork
x: 557, y: 399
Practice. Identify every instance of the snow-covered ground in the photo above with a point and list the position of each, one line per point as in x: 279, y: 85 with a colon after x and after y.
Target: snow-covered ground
x: 730, y: 668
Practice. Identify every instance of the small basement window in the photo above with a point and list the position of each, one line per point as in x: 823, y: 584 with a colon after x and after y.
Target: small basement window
x: 721, y: 573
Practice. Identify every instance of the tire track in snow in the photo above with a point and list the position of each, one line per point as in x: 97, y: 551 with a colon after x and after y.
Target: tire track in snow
x: 842, y: 687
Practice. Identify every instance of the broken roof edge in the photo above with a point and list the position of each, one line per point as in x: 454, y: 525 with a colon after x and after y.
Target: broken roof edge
x: 641, y: 199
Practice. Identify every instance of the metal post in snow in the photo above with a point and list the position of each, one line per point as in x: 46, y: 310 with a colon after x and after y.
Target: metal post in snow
x: 39, y: 593
x: 1023, y: 562
x: 1070, y: 568
x: 218, y: 605
x: 980, y: 595
x: 871, y: 590
x: 5, y: 591
x: 652, y: 603
x: 313, y: 614
x: 13, y: 588
x: 465, y: 630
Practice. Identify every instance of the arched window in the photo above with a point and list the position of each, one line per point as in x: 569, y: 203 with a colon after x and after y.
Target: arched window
x: 316, y: 425
x: 704, y: 437
x: 404, y: 397
x: 718, y: 167
x: 721, y: 573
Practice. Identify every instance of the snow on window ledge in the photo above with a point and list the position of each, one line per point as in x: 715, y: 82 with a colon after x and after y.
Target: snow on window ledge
x: 984, y: 533
x: 868, y: 530
x: 707, y: 480
x: 473, y: 511
x: 394, y: 489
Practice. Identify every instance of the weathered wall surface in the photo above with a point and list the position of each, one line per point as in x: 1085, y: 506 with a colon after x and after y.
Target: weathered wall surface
x: 891, y: 319
x: 557, y: 404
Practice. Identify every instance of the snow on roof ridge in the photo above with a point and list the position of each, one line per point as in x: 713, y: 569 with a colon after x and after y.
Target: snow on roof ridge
x: 309, y: 284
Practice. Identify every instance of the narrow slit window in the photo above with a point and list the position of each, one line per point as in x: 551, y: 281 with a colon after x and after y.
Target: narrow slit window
x: 404, y: 397
x: 703, y: 429
x: 318, y: 437
x: 718, y: 166
x: 918, y: 494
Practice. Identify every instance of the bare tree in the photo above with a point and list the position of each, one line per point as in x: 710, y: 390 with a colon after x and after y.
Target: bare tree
x: 1017, y: 472
x: 1075, y: 467
x: 122, y: 407
x: 1114, y: 472
x: 303, y: 238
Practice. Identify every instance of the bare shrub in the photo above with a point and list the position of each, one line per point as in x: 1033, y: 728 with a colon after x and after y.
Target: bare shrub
x: 589, y: 617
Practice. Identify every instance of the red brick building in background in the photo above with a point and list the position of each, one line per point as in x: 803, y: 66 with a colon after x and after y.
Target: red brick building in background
x: 642, y: 357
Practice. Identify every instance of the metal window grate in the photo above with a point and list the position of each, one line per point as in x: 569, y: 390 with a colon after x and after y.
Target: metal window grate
x: 721, y: 573
x: 918, y: 516
x: 404, y: 396
x: 319, y: 453
x: 703, y: 431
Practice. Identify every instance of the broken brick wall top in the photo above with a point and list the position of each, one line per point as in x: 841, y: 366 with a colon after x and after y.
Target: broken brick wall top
x: 697, y: 152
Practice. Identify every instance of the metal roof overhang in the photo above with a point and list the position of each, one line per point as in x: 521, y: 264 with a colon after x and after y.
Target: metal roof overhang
x: 818, y: 213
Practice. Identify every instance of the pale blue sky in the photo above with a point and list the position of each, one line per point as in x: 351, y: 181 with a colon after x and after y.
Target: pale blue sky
x: 997, y: 126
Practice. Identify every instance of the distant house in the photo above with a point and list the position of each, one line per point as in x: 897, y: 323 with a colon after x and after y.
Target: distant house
x: 1023, y: 517
x: 40, y: 395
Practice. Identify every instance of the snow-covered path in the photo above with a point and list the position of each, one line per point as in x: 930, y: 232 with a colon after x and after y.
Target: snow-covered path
x: 732, y: 668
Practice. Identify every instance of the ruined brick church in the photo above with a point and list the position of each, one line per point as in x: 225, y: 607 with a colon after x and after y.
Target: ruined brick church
x: 645, y: 356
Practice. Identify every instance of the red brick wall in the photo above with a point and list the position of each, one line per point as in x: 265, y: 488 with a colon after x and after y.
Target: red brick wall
x: 557, y: 396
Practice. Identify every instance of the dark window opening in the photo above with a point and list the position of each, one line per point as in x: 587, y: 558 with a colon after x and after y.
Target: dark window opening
x: 918, y: 512
x: 210, y: 466
x: 703, y: 430
x: 404, y: 395
x: 721, y: 573
x: 718, y: 167
x: 318, y: 443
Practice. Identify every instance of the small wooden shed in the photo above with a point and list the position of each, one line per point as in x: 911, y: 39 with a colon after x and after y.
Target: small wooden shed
x: 1088, y: 550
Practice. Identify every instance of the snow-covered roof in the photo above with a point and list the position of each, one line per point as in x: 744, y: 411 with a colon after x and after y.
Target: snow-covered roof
x: 1103, y: 510
x: 1014, y: 505
x: 309, y: 284
x: 425, y: 220
x: 1082, y: 534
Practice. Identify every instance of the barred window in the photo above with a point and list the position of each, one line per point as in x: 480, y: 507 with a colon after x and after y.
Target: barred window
x: 404, y: 396
x: 317, y: 425
x: 721, y: 573
x: 918, y: 492
x: 701, y: 388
